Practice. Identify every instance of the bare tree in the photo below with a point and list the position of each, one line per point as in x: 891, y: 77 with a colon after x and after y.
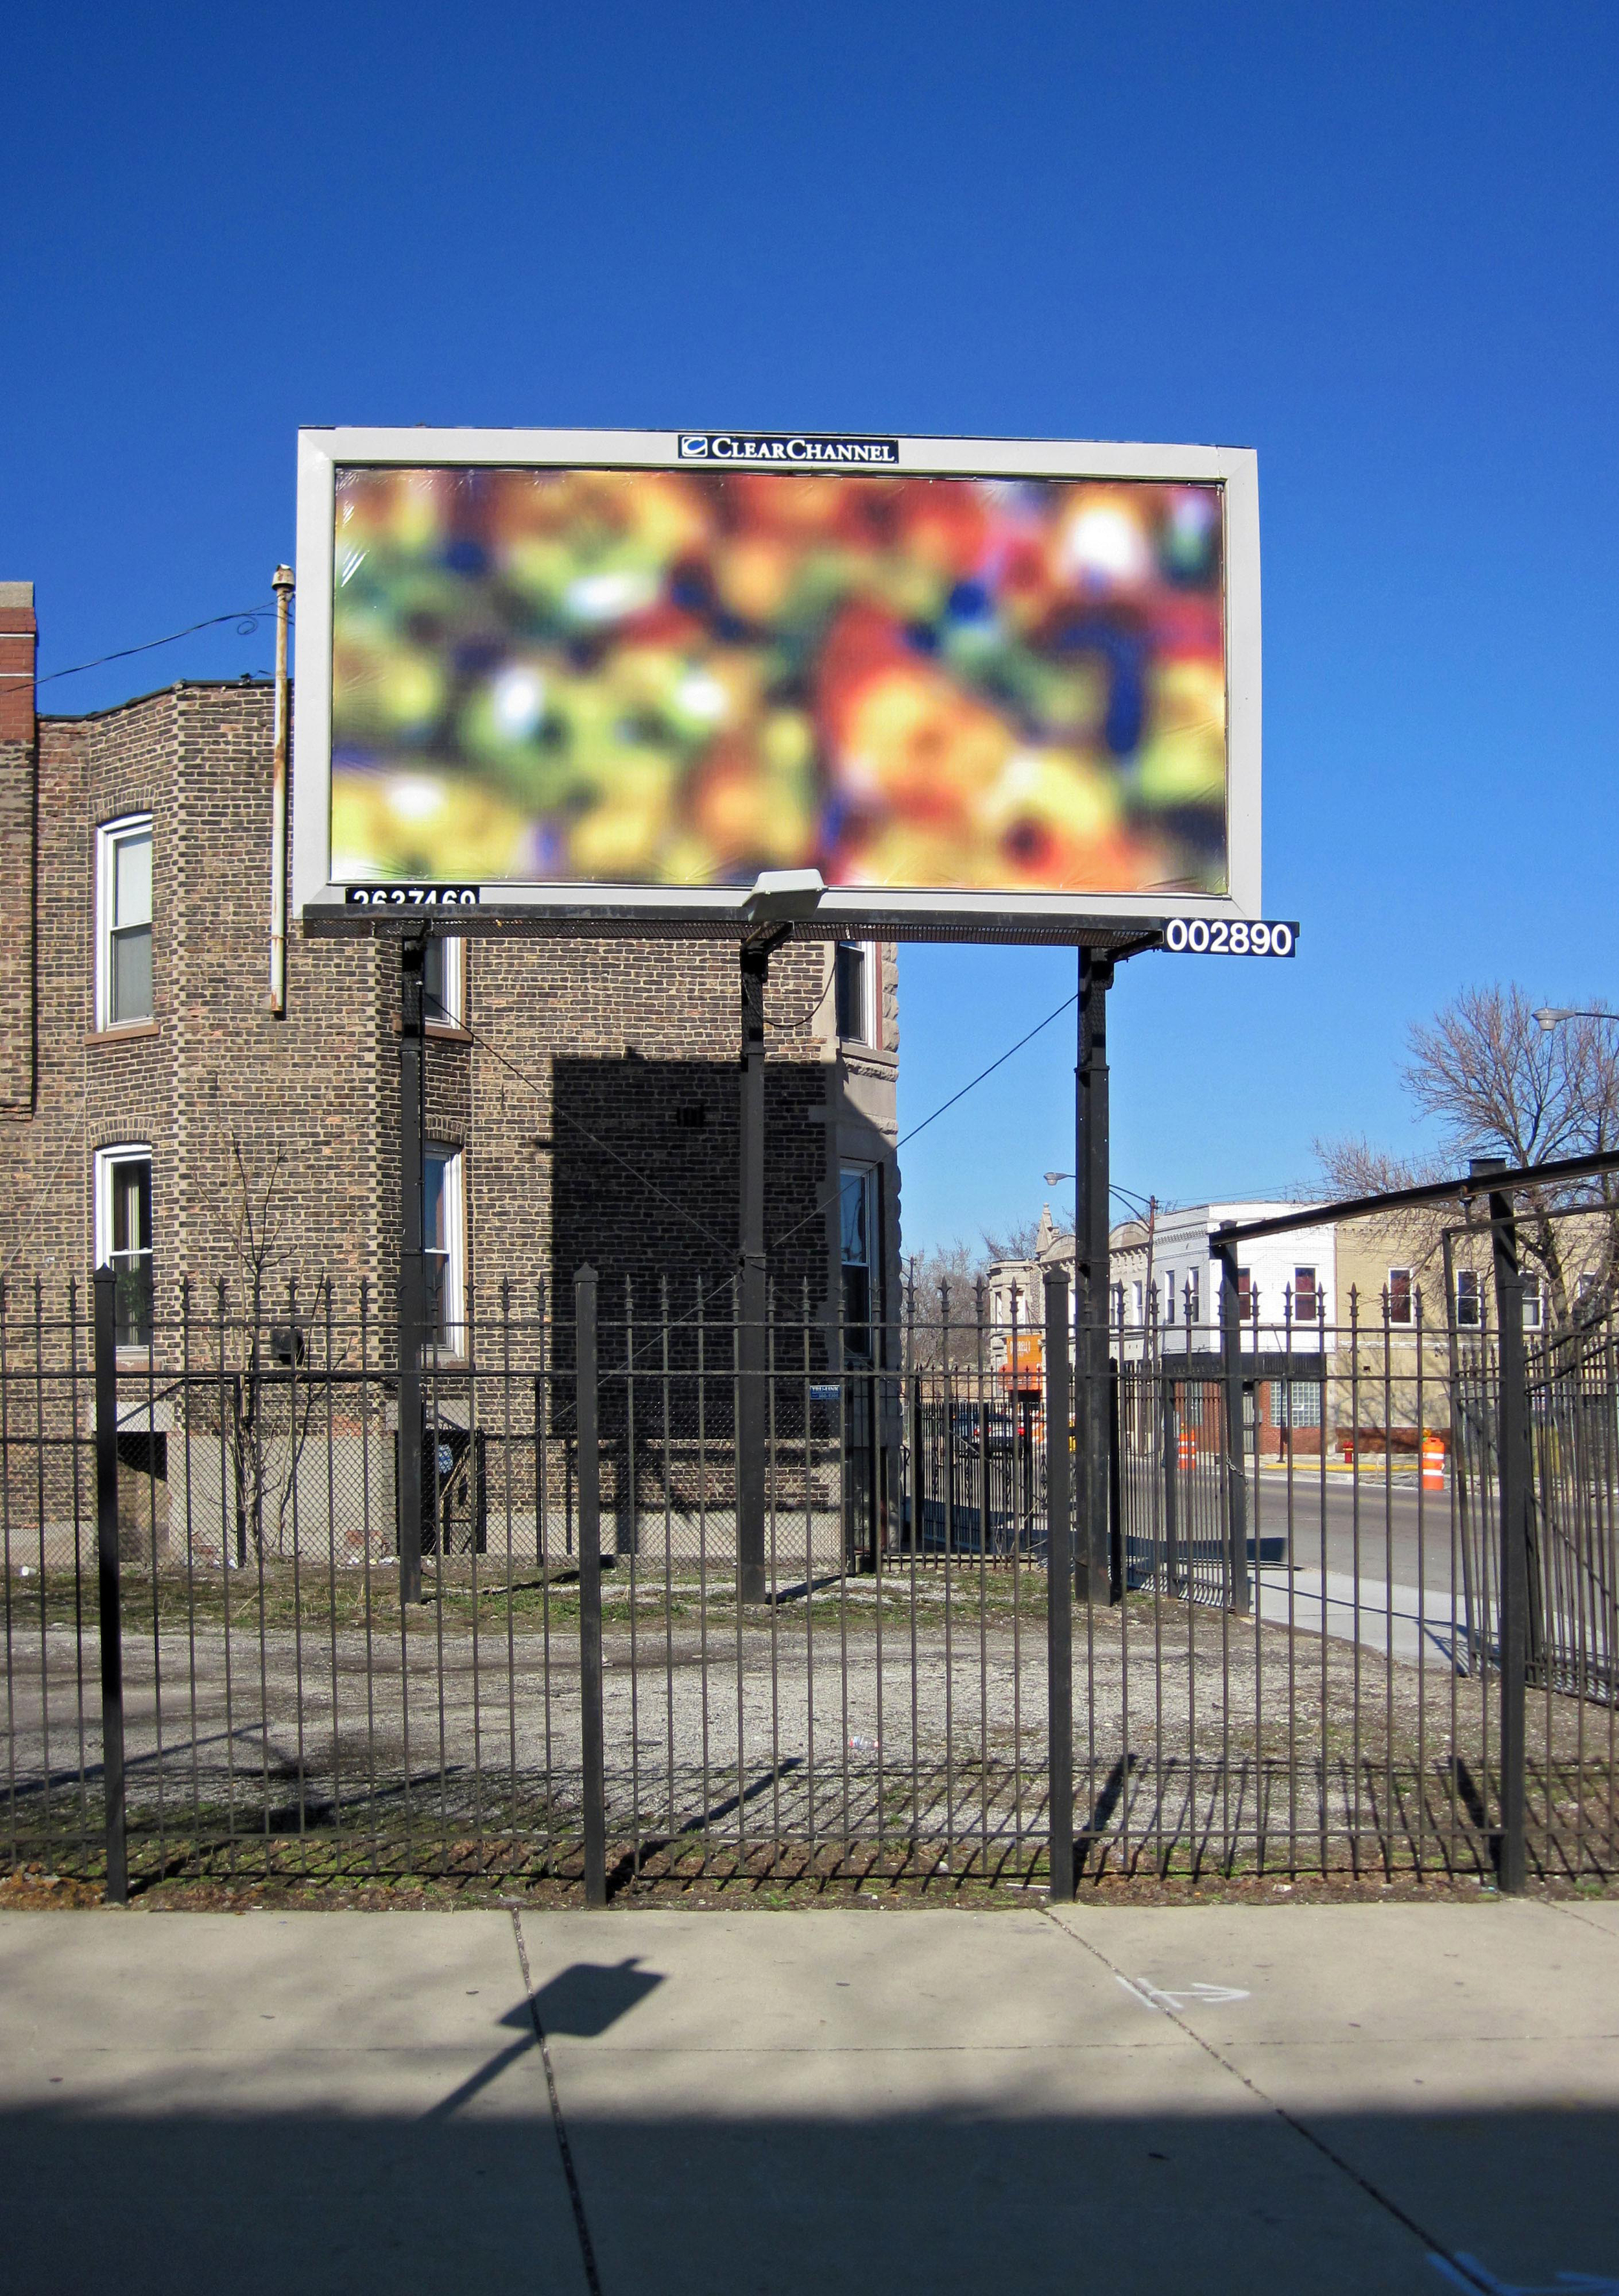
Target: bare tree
x: 943, y: 1303
x: 254, y: 1221
x: 1019, y: 1242
x: 1497, y: 1084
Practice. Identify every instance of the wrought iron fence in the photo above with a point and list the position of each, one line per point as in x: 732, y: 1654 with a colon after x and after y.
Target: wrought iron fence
x: 601, y: 1650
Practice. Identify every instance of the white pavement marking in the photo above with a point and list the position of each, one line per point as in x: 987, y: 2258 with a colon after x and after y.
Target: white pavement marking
x: 1166, y: 1999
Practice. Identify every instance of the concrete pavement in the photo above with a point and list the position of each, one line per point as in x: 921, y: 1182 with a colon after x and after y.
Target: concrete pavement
x: 1289, y: 2097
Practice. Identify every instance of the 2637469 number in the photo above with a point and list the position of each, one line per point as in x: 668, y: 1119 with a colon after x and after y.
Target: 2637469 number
x: 1229, y: 936
x: 411, y: 897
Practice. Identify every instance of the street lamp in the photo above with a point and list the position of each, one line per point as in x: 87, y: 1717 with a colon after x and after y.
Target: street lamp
x: 1552, y: 1016
x: 1126, y: 1195
x: 1144, y: 1207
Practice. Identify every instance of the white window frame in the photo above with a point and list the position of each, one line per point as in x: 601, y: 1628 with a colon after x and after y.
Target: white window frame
x: 454, y: 1294
x: 870, y: 972
x: 1534, y: 1298
x: 450, y: 1011
x: 127, y: 1151
x: 1474, y: 1298
x: 109, y: 837
x: 852, y: 1168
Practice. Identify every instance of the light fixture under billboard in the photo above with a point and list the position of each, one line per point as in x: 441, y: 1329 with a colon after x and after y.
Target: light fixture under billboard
x: 609, y: 678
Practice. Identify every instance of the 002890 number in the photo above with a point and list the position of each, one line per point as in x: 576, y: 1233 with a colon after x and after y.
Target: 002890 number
x: 1229, y: 936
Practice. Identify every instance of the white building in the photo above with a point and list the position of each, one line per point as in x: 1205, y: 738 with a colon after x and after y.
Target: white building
x: 1166, y: 1280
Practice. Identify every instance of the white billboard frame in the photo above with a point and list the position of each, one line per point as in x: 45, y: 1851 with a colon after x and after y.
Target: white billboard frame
x: 725, y: 911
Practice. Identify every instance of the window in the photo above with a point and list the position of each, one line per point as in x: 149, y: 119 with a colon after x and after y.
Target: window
x: 444, y: 982
x: 1135, y: 1307
x: 1297, y: 1404
x: 123, y: 921
x: 1306, y: 1299
x: 1400, y: 1295
x: 443, y: 1231
x: 855, y: 970
x: 1531, y: 1303
x: 123, y: 1237
x: 1247, y: 1295
x: 1469, y: 1302
x: 856, y: 1251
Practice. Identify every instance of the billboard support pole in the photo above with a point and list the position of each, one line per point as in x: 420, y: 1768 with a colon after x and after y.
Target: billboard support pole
x: 413, y: 1235
x: 1093, y: 1574
x: 752, y: 1401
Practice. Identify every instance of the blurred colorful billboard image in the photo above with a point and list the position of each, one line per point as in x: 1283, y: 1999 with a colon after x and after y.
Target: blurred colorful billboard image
x: 685, y: 676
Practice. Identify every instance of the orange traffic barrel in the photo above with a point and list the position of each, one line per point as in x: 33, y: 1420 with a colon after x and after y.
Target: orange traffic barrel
x: 1188, y: 1447
x: 1432, y: 1463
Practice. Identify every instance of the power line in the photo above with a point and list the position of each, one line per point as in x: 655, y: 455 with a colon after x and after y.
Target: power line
x: 819, y: 1209
x: 537, y: 1089
x: 247, y: 620
x: 942, y: 1109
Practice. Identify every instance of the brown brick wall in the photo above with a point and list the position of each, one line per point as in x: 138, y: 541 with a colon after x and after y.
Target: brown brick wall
x: 616, y: 1059
x: 17, y: 785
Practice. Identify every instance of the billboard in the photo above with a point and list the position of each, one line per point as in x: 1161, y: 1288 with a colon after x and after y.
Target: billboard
x: 620, y: 676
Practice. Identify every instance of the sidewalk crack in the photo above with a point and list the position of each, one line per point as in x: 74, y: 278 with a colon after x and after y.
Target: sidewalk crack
x: 1463, y: 2267
x: 586, y: 2247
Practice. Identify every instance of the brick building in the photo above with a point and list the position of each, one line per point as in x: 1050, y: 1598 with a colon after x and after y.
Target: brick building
x: 581, y: 1095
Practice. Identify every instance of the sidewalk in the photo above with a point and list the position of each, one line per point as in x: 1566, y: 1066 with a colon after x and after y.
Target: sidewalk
x: 1287, y: 2098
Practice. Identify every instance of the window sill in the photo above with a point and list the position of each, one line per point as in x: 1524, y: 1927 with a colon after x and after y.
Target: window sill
x: 130, y: 1032
x: 444, y: 1032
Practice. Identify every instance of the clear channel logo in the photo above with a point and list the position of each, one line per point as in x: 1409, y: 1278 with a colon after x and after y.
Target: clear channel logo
x: 789, y: 451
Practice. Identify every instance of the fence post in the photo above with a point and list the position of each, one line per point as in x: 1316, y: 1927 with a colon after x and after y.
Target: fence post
x: 1091, y: 1282
x: 1239, y: 1589
x: 586, y: 1417
x: 1171, y: 1492
x: 1059, y: 1593
x: 1118, y: 1569
x: 1513, y: 1440
x: 110, y: 1620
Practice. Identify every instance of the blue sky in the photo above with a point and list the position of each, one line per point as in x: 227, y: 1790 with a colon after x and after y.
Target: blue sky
x: 1377, y: 243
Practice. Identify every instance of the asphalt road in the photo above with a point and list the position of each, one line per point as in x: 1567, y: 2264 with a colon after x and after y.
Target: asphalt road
x: 1376, y: 1532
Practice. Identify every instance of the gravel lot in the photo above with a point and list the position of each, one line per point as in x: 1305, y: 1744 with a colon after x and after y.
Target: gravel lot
x: 838, y: 1716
